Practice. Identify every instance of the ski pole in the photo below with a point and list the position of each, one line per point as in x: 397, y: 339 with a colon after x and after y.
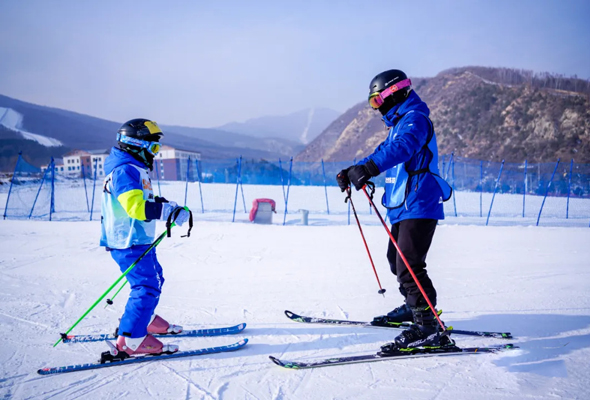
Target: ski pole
x: 169, y: 225
x: 110, y: 301
x: 349, y: 198
x: 156, y: 242
x: 370, y: 197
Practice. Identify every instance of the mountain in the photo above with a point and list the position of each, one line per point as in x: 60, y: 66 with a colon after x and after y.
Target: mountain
x: 300, y: 127
x: 225, y: 139
x: 42, y: 132
x: 482, y: 113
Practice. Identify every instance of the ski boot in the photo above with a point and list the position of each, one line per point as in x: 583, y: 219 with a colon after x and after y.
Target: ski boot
x: 143, y: 345
x: 425, y: 334
x: 160, y: 326
x: 397, y: 316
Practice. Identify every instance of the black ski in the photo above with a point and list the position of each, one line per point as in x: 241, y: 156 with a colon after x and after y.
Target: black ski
x: 396, y: 325
x: 413, y: 353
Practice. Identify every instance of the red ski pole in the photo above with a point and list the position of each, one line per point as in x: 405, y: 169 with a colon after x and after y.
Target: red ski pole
x: 404, y: 258
x: 349, y: 198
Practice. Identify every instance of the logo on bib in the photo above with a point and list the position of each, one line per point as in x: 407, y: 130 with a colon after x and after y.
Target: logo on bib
x: 390, y: 180
x: 147, y: 184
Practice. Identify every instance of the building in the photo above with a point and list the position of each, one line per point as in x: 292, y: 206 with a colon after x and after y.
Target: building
x: 59, y: 166
x: 97, y: 159
x: 171, y: 164
x: 78, y: 162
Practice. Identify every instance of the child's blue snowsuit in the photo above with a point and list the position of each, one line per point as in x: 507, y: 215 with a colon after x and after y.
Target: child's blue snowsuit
x: 128, y: 229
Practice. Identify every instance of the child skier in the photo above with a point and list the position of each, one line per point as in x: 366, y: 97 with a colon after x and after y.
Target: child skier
x: 414, y: 195
x: 129, y: 214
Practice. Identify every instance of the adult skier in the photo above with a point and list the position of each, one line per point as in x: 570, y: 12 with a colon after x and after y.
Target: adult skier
x: 129, y: 214
x: 414, y: 195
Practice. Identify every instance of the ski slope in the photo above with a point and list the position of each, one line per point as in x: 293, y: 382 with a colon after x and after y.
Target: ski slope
x: 532, y: 281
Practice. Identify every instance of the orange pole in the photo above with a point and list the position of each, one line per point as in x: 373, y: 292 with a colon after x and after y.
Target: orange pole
x: 381, y: 290
x: 404, y: 259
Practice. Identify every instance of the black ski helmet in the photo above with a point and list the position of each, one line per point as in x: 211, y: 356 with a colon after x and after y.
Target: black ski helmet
x: 385, y: 80
x: 133, y: 135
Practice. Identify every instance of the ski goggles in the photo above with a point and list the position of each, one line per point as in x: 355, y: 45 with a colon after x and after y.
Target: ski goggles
x: 377, y: 99
x: 152, y: 147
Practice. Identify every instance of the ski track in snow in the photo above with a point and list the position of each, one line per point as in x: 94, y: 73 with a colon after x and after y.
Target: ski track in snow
x: 530, y: 281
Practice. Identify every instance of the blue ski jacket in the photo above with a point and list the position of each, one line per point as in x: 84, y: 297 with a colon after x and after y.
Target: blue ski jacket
x: 128, y: 206
x: 409, y: 156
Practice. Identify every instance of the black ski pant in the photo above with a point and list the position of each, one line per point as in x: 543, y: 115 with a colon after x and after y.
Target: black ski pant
x: 413, y: 236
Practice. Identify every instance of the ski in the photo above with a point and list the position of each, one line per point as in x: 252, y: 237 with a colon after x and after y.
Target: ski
x: 401, y: 354
x: 230, y: 330
x: 396, y: 325
x: 138, y: 359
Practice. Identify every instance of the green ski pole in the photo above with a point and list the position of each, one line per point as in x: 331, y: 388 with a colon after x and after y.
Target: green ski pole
x: 110, y: 301
x: 156, y: 242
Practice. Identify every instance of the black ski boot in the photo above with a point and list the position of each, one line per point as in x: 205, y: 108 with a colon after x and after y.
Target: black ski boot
x: 424, y: 334
x: 397, y: 316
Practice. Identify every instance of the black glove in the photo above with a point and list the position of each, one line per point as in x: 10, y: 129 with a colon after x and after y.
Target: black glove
x: 159, y: 199
x: 342, y: 179
x: 359, y: 175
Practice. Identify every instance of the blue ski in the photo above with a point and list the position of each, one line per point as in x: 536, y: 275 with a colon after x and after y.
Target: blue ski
x: 139, y: 359
x: 231, y: 330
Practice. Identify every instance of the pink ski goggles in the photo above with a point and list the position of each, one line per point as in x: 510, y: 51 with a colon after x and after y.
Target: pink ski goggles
x: 377, y: 99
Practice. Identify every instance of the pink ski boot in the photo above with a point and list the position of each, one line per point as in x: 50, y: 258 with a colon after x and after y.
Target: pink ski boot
x: 144, y: 345
x: 160, y: 326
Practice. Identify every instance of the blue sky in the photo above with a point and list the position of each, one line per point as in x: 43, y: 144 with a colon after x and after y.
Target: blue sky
x: 205, y: 63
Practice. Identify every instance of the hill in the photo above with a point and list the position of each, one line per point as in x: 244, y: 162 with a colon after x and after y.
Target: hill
x: 300, y: 127
x: 29, y: 128
x: 483, y: 113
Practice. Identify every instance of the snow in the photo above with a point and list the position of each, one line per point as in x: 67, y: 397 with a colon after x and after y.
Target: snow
x: 13, y: 120
x: 532, y: 281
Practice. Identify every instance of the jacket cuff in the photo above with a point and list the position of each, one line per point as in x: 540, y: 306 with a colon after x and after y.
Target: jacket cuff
x: 372, y: 168
x: 153, y: 210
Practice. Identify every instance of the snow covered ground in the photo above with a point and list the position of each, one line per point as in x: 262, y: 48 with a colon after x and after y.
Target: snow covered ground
x: 532, y: 281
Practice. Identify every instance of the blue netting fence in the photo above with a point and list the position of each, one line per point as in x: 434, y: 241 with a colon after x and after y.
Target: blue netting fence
x: 483, y: 191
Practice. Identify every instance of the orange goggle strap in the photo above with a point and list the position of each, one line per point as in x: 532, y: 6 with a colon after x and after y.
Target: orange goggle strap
x: 378, y: 98
x: 152, y: 147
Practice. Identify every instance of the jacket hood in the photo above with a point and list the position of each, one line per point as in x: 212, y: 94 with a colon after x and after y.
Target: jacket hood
x: 413, y: 102
x: 119, y: 157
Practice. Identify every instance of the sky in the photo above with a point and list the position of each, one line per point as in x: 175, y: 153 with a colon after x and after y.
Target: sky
x: 204, y: 63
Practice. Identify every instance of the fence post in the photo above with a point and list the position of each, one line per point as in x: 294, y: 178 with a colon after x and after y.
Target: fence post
x: 325, y: 187
x: 52, y: 207
x: 453, y: 182
x: 282, y: 180
x: 20, y: 153
x: 85, y: 189
x: 158, y: 177
x: 239, y: 166
x: 188, y: 166
x: 93, y: 188
x: 569, y: 189
x: 547, y: 191
x: 481, y: 188
x: 199, y: 176
x: 288, y: 187
x: 242, y: 186
x: 525, y: 188
x: 494, y: 195
x: 39, y: 190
